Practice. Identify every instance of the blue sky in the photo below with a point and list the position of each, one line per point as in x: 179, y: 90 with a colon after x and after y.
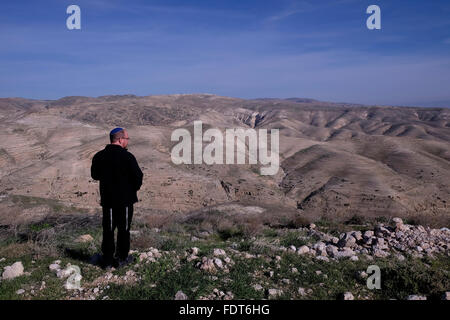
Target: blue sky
x: 249, y: 49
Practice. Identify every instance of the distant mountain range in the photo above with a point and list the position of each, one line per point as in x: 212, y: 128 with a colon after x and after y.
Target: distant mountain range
x: 337, y: 159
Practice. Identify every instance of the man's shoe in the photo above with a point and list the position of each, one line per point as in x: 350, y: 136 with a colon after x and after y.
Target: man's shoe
x: 108, y: 263
x: 126, y: 261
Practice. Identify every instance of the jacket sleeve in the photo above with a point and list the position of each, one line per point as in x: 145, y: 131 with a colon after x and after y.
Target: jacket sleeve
x: 136, y: 173
x: 95, y: 168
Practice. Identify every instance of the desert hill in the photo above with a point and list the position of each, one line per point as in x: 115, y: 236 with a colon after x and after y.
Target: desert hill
x: 337, y: 159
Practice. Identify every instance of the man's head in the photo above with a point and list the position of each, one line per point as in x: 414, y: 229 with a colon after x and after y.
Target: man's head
x: 119, y: 136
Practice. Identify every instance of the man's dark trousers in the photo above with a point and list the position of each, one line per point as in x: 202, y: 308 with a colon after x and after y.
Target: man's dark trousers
x: 119, y: 217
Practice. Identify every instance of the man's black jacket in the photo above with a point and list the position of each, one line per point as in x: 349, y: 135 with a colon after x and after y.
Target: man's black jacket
x: 119, y: 174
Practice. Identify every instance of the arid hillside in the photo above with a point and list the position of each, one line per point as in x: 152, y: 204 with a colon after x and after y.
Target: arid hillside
x: 337, y: 160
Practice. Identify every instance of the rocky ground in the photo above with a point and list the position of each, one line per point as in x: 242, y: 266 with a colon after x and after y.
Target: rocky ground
x: 306, y: 264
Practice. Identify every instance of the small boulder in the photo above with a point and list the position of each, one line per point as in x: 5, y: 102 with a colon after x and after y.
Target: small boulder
x: 348, y: 296
x: 180, y: 295
x: 303, y: 250
x: 219, y: 252
x: 13, y: 271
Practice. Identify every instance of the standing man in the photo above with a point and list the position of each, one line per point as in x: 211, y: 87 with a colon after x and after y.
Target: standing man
x: 120, y: 178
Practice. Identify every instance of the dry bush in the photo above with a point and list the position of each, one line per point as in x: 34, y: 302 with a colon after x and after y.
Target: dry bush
x: 145, y: 241
x: 432, y: 221
x: 160, y: 221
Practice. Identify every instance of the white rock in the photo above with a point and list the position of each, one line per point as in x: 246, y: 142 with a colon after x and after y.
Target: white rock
x: 301, y: 291
x: 354, y: 258
x: 274, y: 292
x: 292, y: 248
x: 348, y: 296
x: 344, y: 254
x: 446, y: 296
x: 218, y: 263
x: 13, y: 271
x: 54, y: 267
x: 180, y: 295
x: 195, y: 251
x: 323, y: 258
x: 303, y: 250
x: 397, y: 220
x: 20, y: 291
x: 143, y: 256
x: 219, y: 252
x: 258, y: 287
x: 331, y: 250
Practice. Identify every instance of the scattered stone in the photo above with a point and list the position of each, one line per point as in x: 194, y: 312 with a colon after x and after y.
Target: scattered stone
x: 180, y: 295
x: 207, y: 265
x: 323, y: 258
x: 275, y: 292
x: 13, y: 271
x: 218, y: 263
x: 258, y: 287
x: 348, y: 296
x: 301, y: 291
x: 331, y: 250
x: 219, y: 252
x: 344, y: 254
x: 303, y: 250
x: 54, y: 267
x: 347, y: 240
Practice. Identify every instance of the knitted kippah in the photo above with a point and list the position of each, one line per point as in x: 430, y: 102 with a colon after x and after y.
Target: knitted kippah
x: 113, y: 131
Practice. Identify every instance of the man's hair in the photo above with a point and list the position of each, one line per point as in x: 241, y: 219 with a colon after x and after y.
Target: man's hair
x: 116, y: 134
